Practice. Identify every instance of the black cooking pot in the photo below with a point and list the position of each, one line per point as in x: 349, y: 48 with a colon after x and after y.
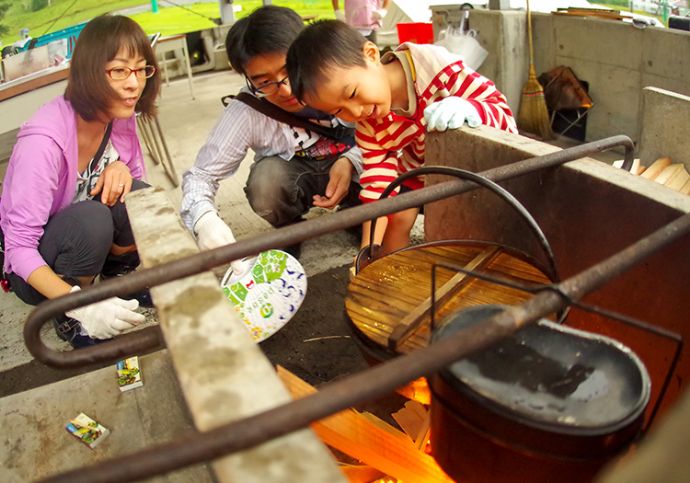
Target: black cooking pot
x: 549, y: 403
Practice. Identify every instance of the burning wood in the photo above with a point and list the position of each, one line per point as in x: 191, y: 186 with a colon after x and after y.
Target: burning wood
x: 370, y: 440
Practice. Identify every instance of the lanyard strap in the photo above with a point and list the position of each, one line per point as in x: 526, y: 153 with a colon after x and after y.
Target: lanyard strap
x: 338, y: 133
x: 101, y: 148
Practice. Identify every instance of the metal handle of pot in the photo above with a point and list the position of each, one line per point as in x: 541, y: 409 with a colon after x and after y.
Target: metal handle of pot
x: 369, y: 251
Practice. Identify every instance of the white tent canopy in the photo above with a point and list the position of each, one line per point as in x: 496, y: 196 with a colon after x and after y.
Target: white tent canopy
x: 400, y: 11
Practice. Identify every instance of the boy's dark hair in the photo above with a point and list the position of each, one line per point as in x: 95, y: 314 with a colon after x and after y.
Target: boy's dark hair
x: 321, y: 46
x: 88, y: 88
x: 266, y: 30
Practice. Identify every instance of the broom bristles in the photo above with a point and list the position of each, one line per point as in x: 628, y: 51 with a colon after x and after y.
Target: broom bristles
x: 533, y: 115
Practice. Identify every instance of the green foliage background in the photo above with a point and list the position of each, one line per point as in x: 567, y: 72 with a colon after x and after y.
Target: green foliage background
x: 169, y: 20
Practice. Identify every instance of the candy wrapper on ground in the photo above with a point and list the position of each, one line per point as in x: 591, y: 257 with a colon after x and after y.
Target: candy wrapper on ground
x: 86, y: 430
x: 269, y: 294
x: 129, y: 374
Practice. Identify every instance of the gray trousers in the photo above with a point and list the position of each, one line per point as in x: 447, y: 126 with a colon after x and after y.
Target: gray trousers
x: 76, y: 242
x: 282, y: 191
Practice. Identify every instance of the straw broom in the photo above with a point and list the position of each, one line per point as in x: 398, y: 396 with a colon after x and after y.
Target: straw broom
x: 533, y: 116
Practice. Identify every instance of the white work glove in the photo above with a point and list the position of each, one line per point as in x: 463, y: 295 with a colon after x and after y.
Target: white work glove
x: 377, y: 15
x: 451, y: 113
x: 107, y: 318
x: 340, y: 15
x: 212, y: 232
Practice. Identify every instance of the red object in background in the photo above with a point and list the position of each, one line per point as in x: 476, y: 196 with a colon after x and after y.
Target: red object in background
x: 417, y: 32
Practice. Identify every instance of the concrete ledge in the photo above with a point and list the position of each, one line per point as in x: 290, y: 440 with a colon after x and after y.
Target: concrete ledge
x: 223, y: 374
x: 664, y: 126
x: 36, y: 445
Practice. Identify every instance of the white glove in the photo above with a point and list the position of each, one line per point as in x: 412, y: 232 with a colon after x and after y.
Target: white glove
x: 377, y: 15
x: 241, y: 267
x: 107, y: 318
x: 212, y: 232
x: 451, y: 113
x: 340, y: 15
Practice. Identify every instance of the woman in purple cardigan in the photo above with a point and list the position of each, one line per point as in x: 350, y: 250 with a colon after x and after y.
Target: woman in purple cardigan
x: 62, y: 214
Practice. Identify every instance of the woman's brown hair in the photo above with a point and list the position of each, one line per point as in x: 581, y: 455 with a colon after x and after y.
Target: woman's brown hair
x: 88, y: 89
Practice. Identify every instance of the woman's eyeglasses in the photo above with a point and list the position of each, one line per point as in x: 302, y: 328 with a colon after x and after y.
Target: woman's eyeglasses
x: 268, y: 88
x: 122, y: 73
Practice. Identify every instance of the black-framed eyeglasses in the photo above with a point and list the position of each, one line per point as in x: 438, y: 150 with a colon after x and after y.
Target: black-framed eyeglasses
x: 122, y: 73
x: 267, y: 88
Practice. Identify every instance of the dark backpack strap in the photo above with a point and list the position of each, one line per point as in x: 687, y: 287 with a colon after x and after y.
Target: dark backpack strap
x: 336, y: 133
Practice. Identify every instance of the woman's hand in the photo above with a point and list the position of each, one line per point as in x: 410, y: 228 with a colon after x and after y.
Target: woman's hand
x: 115, y: 182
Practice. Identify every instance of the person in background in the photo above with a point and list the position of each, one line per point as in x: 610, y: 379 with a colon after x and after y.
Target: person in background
x: 62, y: 215
x: 364, y: 15
x: 294, y: 168
x: 394, y: 100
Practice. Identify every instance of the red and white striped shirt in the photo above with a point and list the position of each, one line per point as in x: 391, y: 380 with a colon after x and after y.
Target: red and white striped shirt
x: 395, y: 144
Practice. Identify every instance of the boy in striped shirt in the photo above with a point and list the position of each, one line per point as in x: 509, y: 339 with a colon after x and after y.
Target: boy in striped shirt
x: 395, y: 100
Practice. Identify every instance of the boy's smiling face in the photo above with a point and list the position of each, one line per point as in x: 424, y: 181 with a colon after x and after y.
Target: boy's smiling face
x: 354, y: 93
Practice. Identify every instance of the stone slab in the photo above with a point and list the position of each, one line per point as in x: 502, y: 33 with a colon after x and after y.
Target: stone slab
x: 34, y: 441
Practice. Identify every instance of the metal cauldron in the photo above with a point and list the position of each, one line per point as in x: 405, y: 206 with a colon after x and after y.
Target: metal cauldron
x: 550, y: 403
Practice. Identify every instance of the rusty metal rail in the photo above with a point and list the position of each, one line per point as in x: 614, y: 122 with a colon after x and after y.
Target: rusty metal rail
x: 372, y: 383
x: 150, y: 338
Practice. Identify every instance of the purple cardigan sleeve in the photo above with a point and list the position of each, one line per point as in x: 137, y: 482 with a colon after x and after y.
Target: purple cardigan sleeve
x: 39, y: 169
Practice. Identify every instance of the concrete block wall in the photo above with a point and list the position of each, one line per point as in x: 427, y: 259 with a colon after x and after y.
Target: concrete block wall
x: 615, y: 58
x: 665, y: 129
x: 503, y: 34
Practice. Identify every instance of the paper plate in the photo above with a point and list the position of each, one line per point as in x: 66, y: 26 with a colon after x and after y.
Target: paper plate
x: 269, y: 294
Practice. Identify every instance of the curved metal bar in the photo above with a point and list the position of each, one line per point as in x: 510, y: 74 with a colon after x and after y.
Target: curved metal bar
x: 191, y: 265
x: 370, y: 384
x: 495, y: 188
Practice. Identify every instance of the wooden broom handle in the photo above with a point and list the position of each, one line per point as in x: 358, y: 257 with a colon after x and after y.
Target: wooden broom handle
x: 529, y: 34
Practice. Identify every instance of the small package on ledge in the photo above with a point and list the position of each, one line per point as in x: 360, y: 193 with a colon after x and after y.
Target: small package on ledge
x: 129, y: 374
x: 88, y: 431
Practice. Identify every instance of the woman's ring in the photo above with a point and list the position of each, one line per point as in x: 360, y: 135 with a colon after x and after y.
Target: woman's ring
x: 121, y: 185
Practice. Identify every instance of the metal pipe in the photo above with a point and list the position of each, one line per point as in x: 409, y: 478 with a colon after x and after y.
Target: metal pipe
x: 191, y: 265
x: 372, y: 383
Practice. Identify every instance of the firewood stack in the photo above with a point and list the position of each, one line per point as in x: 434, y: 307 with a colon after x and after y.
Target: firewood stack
x: 662, y: 171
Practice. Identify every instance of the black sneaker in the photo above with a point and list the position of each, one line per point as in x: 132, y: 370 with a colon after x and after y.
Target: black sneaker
x: 69, y: 330
x: 143, y: 296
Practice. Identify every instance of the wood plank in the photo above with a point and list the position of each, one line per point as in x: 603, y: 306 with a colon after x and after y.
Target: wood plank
x: 33, y: 81
x: 678, y: 179
x: 656, y: 168
x: 386, y: 291
x: 685, y: 189
x: 378, y: 444
x: 411, y: 322
x: 668, y: 173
